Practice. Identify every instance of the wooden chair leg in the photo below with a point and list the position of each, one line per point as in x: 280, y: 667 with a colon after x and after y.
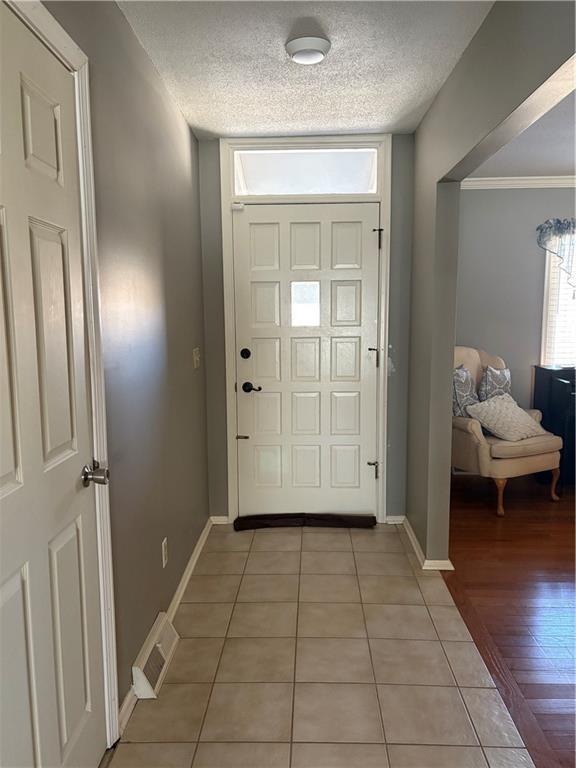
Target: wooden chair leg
x: 555, y: 477
x: 500, y: 485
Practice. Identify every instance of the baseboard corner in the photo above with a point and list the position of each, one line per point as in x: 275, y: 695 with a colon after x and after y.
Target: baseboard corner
x: 437, y: 565
x: 219, y: 519
x: 417, y: 549
x: 425, y: 564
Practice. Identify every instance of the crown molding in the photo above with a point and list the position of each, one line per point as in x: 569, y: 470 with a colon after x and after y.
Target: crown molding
x: 520, y: 182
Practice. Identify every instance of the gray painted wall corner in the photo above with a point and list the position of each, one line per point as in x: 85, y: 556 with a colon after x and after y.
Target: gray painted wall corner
x: 401, y: 221
x: 214, y: 335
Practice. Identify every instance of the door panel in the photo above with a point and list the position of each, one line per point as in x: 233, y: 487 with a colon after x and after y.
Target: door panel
x: 18, y: 721
x: 52, y: 697
x: 10, y: 474
x: 306, y: 282
x: 52, y: 316
x: 70, y: 630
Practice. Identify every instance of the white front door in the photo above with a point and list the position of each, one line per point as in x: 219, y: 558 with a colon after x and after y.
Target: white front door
x: 306, y: 292
x: 51, y: 690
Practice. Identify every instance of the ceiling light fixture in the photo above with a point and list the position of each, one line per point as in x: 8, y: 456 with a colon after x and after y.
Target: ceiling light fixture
x: 307, y: 50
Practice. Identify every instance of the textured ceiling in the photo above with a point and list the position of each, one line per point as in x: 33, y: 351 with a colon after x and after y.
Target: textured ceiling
x: 225, y: 62
x: 547, y: 148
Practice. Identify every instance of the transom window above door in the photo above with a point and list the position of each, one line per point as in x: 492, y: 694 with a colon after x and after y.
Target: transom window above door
x: 329, y: 171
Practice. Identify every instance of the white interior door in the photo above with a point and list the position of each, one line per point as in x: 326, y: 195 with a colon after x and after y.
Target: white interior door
x: 306, y: 290
x: 51, y: 692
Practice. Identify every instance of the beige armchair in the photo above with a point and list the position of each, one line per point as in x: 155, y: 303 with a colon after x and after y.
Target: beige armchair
x: 488, y: 456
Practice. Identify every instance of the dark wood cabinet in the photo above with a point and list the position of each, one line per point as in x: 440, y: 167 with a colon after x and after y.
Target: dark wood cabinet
x: 555, y: 396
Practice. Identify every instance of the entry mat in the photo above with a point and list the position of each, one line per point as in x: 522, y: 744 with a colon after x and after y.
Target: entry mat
x: 307, y: 519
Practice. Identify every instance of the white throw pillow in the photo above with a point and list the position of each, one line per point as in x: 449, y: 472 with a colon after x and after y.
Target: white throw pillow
x: 502, y: 416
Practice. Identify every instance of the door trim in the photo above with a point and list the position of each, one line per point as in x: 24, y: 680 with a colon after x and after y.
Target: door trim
x: 41, y: 22
x: 383, y: 143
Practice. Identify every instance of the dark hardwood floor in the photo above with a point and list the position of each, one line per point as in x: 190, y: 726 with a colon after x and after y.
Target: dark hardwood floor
x: 514, y: 584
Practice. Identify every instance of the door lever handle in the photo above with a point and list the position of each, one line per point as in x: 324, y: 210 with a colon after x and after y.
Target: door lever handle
x: 376, y: 465
x: 377, y: 350
x: 249, y: 387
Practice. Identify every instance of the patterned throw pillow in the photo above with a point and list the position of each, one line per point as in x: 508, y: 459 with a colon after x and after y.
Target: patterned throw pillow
x: 495, y: 381
x: 463, y: 391
x: 502, y: 417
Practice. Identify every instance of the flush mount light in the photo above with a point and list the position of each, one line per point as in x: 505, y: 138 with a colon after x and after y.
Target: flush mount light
x: 307, y: 50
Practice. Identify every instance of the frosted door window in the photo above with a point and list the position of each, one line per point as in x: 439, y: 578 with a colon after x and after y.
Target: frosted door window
x: 305, y: 303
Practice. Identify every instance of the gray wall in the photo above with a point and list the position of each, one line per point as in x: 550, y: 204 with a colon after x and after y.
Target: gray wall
x: 501, y: 275
x: 502, y: 68
x: 214, y: 342
x: 400, y: 256
x: 402, y: 215
x: 147, y: 206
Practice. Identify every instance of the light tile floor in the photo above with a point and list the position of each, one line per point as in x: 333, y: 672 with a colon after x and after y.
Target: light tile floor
x: 320, y: 649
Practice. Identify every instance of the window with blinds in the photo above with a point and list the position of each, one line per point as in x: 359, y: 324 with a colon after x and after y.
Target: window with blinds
x: 559, y: 321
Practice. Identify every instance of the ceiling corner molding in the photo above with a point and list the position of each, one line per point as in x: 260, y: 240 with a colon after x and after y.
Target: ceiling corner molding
x: 520, y: 182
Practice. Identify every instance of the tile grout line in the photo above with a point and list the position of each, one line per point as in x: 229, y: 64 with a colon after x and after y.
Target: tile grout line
x: 351, y: 743
x: 375, y: 680
x: 372, y: 665
x: 295, y: 635
x: 339, y: 682
x: 218, y: 664
x: 291, y: 749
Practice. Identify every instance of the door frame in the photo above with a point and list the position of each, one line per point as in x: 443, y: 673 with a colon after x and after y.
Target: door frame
x: 41, y: 22
x: 229, y: 200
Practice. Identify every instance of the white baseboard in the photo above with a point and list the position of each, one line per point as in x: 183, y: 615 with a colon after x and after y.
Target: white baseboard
x: 126, y: 710
x: 130, y: 699
x: 426, y: 565
x: 395, y: 519
x: 414, y: 542
x: 437, y: 565
x: 175, y: 602
x: 220, y: 519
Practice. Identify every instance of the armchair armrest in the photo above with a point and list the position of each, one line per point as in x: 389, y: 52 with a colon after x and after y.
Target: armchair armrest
x: 536, y: 415
x: 470, y: 449
x: 472, y: 426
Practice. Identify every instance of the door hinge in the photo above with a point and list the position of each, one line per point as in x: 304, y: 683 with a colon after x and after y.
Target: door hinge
x: 375, y: 349
x: 379, y: 230
x: 237, y: 206
x: 376, y: 465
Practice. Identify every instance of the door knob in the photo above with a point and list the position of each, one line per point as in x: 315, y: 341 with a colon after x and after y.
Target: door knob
x: 249, y: 387
x: 94, y: 473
